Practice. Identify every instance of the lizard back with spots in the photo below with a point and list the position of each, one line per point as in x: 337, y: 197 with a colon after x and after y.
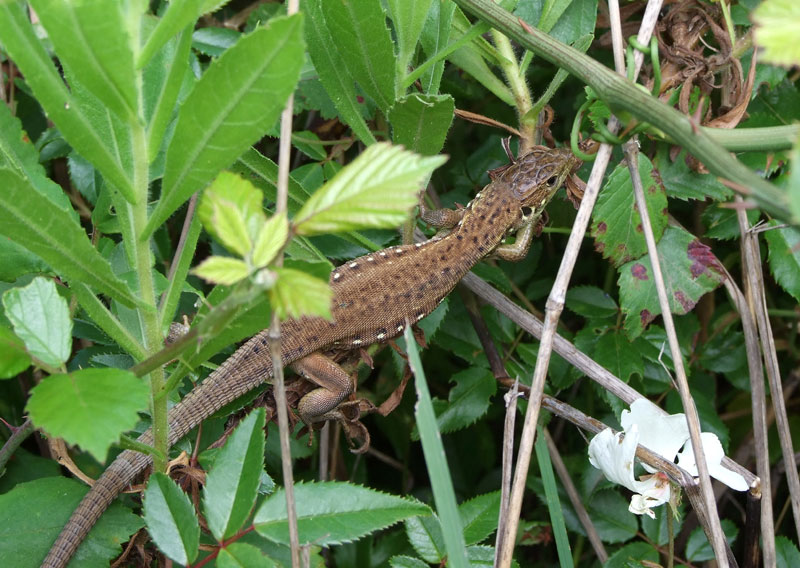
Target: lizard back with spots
x: 373, y: 297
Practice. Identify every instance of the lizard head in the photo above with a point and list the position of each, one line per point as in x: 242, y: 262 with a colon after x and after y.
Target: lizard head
x: 536, y: 177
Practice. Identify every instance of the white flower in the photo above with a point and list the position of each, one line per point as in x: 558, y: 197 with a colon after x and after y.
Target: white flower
x: 613, y: 454
x: 663, y: 434
x: 714, y: 454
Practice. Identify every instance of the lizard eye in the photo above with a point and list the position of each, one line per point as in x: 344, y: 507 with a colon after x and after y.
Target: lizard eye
x: 551, y: 181
x: 526, y: 211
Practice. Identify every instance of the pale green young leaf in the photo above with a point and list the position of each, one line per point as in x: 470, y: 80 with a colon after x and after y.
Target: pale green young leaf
x: 179, y: 15
x: 243, y: 555
x: 49, y: 231
x: 376, y: 190
x: 365, y: 45
x: 777, y: 30
x: 232, y: 190
x: 232, y: 484
x: 334, y: 512
x: 271, y: 238
x: 90, y: 407
x: 333, y: 74
x: 75, y: 124
x: 93, y: 39
x: 216, y: 125
x: 13, y: 357
x: 230, y: 227
x: 170, y: 519
x: 41, y: 320
x: 297, y: 293
x: 222, y: 270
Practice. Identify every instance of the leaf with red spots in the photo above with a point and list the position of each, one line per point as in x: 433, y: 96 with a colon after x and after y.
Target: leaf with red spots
x: 690, y: 270
x: 616, y: 225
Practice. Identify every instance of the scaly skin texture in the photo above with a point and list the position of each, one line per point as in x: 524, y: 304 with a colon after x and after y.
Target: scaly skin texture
x: 373, y: 297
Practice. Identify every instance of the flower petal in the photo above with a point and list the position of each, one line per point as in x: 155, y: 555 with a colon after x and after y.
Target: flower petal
x: 661, y: 433
x: 712, y: 448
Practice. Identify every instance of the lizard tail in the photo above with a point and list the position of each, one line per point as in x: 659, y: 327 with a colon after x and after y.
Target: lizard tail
x: 235, y: 377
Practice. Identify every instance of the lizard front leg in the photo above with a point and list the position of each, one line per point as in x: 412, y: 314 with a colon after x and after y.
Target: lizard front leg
x: 519, y: 249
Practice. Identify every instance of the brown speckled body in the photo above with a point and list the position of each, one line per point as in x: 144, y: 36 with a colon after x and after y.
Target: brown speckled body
x: 374, y: 296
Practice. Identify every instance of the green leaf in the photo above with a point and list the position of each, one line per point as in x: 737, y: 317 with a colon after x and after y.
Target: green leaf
x: 13, y: 357
x: 420, y: 122
x: 224, y: 218
x: 698, y: 548
x: 297, y: 293
x: 434, y: 38
x: 616, y: 224
x: 232, y: 484
x: 89, y: 407
x: 408, y: 17
x: 613, y: 351
x: 633, y: 555
x: 222, y: 270
x: 468, y: 400
x: 479, y: 516
x: 777, y: 29
x: 591, y: 302
x: 41, y: 320
x: 179, y: 15
x: 787, y: 552
x: 332, y: 72
x: 215, y: 125
x: 553, y: 501
x: 271, y: 238
x: 376, y: 190
x: 435, y: 460
x: 333, y: 512
x: 214, y: 41
x: 784, y: 257
x: 47, y: 230
x: 609, y: 511
x: 681, y: 182
x: 425, y: 535
x: 93, y: 38
x: 77, y: 124
x: 32, y: 515
x: 689, y: 268
x: 243, y: 555
x: 365, y: 45
x: 170, y: 519
x: 406, y: 562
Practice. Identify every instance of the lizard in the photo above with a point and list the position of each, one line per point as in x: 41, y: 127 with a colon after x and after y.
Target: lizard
x: 374, y: 298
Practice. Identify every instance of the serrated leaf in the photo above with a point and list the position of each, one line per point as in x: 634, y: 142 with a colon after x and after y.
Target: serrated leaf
x: 616, y: 224
x: 333, y: 512
x: 365, y: 45
x: 41, y: 320
x: 243, y: 555
x: 214, y: 125
x: 613, y: 351
x: 777, y: 30
x: 479, y: 516
x: 376, y: 190
x: 425, y: 535
x: 787, y: 552
x: 177, y: 16
x: 297, y: 293
x: 609, y: 512
x: 468, y: 400
x: 698, y: 548
x: 631, y: 556
x: 44, y: 228
x: 271, y: 238
x: 94, y: 40
x: 689, y: 268
x: 408, y: 17
x: 13, y: 357
x: 591, y: 302
x: 406, y: 562
x: 89, y: 407
x: 170, y: 519
x: 784, y: 257
x: 222, y: 270
x: 420, y: 122
x: 332, y: 72
x: 681, y: 182
x: 232, y: 485
x: 32, y: 515
x: 77, y: 124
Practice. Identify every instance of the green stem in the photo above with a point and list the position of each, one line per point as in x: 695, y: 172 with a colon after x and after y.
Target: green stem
x: 128, y: 443
x: 622, y: 95
x: 148, y: 318
x: 519, y: 87
x: 766, y: 139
